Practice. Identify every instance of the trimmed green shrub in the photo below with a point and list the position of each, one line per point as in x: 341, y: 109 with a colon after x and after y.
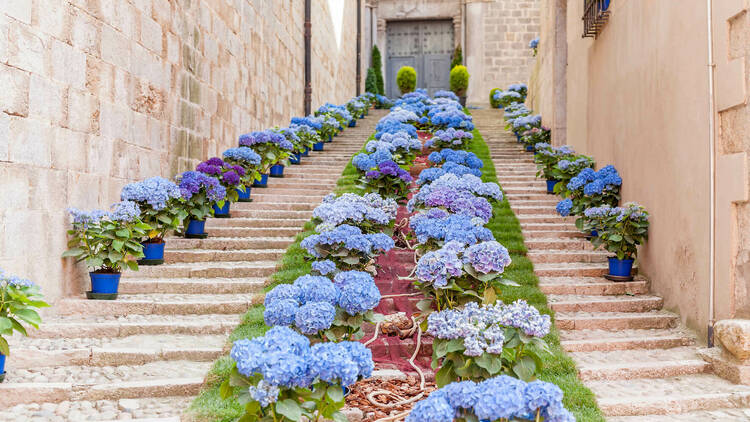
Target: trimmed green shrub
x: 406, y: 79
x: 493, y: 102
x: 457, y: 58
x: 371, y: 82
x: 377, y: 64
x: 459, y: 80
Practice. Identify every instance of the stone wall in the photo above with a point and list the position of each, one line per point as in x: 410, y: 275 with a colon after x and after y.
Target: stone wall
x: 99, y: 93
x: 638, y: 97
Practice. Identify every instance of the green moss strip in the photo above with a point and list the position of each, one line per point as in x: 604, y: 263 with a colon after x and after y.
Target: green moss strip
x: 559, y: 368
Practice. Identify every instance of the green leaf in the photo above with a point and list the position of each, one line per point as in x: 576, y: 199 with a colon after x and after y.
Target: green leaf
x: 225, y: 391
x: 492, y: 363
x: 445, y: 375
x: 290, y: 409
x: 525, y: 368
x: 117, y: 244
x: 4, y: 349
x: 18, y: 327
x: 340, y: 417
x: 74, y: 252
x: 30, y: 316
x: 6, y: 327
x: 490, y: 296
x: 335, y: 393
x: 123, y: 233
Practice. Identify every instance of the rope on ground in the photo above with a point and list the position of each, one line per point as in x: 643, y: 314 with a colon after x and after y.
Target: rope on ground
x: 371, y: 396
x: 401, y: 295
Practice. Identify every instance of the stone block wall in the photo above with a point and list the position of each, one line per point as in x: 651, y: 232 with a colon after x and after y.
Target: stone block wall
x: 99, y: 93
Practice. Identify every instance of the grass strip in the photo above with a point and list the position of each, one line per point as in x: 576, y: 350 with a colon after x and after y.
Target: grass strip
x: 209, y: 406
x: 559, y: 367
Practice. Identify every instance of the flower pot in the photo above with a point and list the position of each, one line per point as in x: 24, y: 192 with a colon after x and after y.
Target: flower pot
x: 330, y: 137
x: 222, y: 212
x: 352, y: 123
x: 262, y: 183
x: 529, y: 148
x: 518, y: 137
x: 318, y: 146
x: 594, y: 233
x: 620, y: 267
x: 104, y: 283
x: 153, y: 253
x: 306, y: 153
x: 244, y: 196
x: 295, y: 158
x: 604, y: 5
x: 196, y: 229
x: 277, y: 170
x: 551, y: 185
x: 2, y: 367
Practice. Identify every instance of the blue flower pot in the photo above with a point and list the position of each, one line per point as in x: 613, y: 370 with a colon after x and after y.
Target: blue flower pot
x: 529, y: 148
x: 295, y: 158
x: 518, y: 137
x: 222, y: 212
x: 106, y: 283
x: 244, y: 196
x: 318, y: 146
x: 153, y: 254
x: 2, y: 365
x: 352, y: 123
x: 262, y: 183
x: 306, y: 153
x: 196, y: 228
x: 620, y: 267
x: 594, y: 233
x: 605, y: 5
x: 277, y: 170
x: 551, y: 185
x: 330, y: 137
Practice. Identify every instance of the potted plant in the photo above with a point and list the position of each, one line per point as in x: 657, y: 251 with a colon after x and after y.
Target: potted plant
x: 159, y: 200
x: 277, y: 170
x: 406, y: 79
x: 200, y: 193
x: 624, y: 229
x: 273, y: 149
x: 347, y: 246
x: 107, y: 242
x: 308, y: 137
x: 312, y: 122
x: 459, y: 82
x: 593, y: 189
x: 18, y: 300
x: 534, y: 44
x: 503, y: 339
x: 382, y: 176
x: 449, y: 138
x: 495, y: 98
x: 280, y: 377
x: 568, y: 168
x: 534, y: 136
x: 250, y: 162
x: 229, y: 177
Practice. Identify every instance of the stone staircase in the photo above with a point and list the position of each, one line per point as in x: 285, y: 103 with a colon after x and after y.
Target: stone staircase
x: 636, y: 358
x: 145, y: 355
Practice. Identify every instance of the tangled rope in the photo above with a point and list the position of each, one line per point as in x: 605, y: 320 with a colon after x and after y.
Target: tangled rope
x: 371, y: 396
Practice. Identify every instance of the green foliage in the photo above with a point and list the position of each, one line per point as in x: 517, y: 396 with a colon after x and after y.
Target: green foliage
x: 107, y: 244
x: 459, y: 80
x: 577, y: 163
x: 199, y: 207
x: 377, y: 64
x: 252, y: 171
x: 547, y: 162
x: 493, y: 102
x: 371, y: 82
x: 17, y: 304
x: 161, y: 221
x: 457, y: 58
x: 406, y: 79
x: 621, y: 233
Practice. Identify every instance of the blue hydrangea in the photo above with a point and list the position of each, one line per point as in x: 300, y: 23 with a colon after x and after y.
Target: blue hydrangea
x: 125, y: 212
x: 437, y: 267
x: 333, y: 362
x: 324, y: 267
x: 359, y: 293
x: 280, y: 312
x: 487, y: 257
x: 243, y: 155
x: 156, y: 192
x: 316, y: 289
x: 314, y: 316
x: 500, y: 397
x: 85, y: 219
x: 15, y: 281
x: 264, y: 393
x: 564, y: 207
x: 432, y: 409
x: 348, y: 237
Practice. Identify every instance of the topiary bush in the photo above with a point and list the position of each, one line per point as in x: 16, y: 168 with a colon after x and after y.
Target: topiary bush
x: 377, y: 64
x: 371, y: 82
x: 406, y: 79
x: 457, y: 58
x: 459, y: 80
x: 493, y: 102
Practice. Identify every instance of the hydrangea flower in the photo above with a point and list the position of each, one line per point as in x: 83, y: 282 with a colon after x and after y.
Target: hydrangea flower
x: 564, y: 207
x: 359, y: 293
x: 191, y: 182
x: 244, y: 155
x: 157, y: 192
x: 324, y: 267
x: 438, y: 225
x: 266, y: 137
x: 125, y: 211
x: 437, y: 267
x: 348, y: 237
x: 314, y: 316
x: 354, y: 209
x: 87, y: 218
x: 487, y: 257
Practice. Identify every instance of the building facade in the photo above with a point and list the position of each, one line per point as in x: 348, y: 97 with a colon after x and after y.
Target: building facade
x: 661, y: 92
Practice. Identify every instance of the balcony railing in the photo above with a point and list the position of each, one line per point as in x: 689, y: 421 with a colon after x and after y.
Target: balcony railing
x: 595, y: 15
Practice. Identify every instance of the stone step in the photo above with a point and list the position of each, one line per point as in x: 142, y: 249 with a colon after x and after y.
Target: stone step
x: 286, y: 203
x: 254, y: 222
x: 532, y: 209
x: 668, y: 396
x: 591, y: 286
x: 567, y: 244
x: 192, y: 285
x: 149, y: 409
x: 541, y: 190
x: 545, y: 219
x: 536, y: 183
x: 204, y: 255
x: 228, y: 243
x: 108, y: 326
x: 161, y: 303
x: 273, y: 188
x: 529, y: 179
x: 719, y: 415
x: 639, y: 363
x: 596, y: 303
x: 549, y: 234
x: 230, y: 269
x: 285, y: 183
x: 563, y: 256
x: 528, y: 196
x: 280, y: 198
x: 271, y: 214
x: 287, y: 231
x: 571, y: 269
x: 603, y: 340
x: 156, y: 379
x: 131, y: 350
x: 613, y: 321
x: 548, y: 202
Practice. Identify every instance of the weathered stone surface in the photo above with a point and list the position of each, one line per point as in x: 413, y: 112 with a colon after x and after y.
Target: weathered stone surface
x: 734, y: 335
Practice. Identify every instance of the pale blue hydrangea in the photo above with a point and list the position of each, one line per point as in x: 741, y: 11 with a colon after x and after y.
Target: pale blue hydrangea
x: 314, y: 316
x: 324, y: 267
x: 125, y: 212
x: 157, y: 192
